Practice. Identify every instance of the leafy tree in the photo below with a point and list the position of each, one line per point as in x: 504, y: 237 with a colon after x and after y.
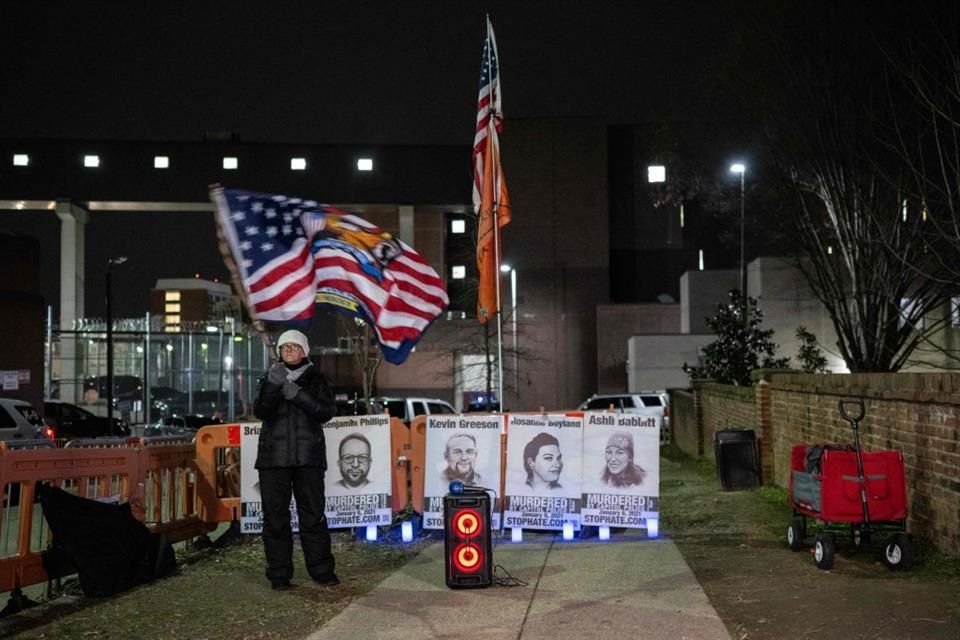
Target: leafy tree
x: 811, y: 358
x: 741, y: 345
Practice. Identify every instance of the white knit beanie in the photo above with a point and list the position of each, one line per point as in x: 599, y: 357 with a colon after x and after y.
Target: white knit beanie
x: 295, y: 337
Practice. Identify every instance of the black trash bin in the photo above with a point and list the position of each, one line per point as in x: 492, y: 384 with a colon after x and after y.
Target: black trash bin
x: 737, y: 461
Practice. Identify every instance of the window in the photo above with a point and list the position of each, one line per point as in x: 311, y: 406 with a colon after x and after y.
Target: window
x: 651, y: 401
x: 230, y: 163
x: 955, y: 312
x: 458, y: 225
x: 171, y: 296
x: 436, y: 407
x: 656, y: 173
x: 161, y: 162
x: 21, y: 160
x: 907, y: 311
x: 418, y: 408
x: 364, y: 164
x: 602, y: 404
x: 298, y: 164
x: 91, y: 161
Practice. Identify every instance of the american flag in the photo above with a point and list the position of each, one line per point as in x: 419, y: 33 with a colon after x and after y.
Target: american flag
x: 292, y: 254
x: 490, y: 198
x: 489, y: 107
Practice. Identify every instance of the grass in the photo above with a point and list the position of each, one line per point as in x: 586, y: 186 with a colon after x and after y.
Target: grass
x: 219, y: 594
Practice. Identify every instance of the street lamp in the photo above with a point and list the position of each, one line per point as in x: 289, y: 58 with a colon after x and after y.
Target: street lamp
x: 110, y: 263
x: 505, y: 268
x: 741, y: 168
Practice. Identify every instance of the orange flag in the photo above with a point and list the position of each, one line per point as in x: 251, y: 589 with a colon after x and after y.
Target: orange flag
x: 494, y: 202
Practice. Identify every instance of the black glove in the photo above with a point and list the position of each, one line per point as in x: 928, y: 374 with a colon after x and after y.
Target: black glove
x: 289, y: 390
x: 277, y: 374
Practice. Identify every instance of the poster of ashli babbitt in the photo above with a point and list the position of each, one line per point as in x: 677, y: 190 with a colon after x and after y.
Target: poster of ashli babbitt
x: 464, y: 448
x: 358, y: 471
x: 251, y: 509
x: 543, y: 471
x: 621, y: 469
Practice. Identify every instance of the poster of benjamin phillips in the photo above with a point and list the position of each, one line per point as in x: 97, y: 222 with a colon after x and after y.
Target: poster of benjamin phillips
x: 358, y: 471
x: 543, y: 471
x: 621, y: 469
x: 464, y: 448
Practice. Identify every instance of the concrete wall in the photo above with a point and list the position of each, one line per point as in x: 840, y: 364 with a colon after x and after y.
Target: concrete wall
x: 917, y: 414
x: 656, y: 362
x: 788, y: 302
x: 615, y: 325
x: 700, y: 292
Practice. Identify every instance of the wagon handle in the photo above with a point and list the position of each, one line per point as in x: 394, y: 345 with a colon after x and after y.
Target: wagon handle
x: 848, y: 414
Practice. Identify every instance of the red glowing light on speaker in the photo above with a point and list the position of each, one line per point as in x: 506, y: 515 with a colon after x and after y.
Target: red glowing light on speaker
x: 467, y: 558
x: 466, y: 523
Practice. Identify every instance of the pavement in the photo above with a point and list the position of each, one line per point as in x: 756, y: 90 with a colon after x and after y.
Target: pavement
x: 627, y: 587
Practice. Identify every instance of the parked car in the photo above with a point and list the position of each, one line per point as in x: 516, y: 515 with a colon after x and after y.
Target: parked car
x: 124, y: 388
x: 164, y: 400
x: 178, y: 425
x: 357, y: 407
x: 19, y: 420
x: 643, y: 403
x: 70, y: 421
x: 207, y: 403
x: 408, y: 408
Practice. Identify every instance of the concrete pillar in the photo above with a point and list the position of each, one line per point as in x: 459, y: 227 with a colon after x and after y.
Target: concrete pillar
x: 405, y: 212
x: 72, y: 261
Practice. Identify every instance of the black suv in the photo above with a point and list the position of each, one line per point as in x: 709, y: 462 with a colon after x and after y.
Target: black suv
x: 70, y: 421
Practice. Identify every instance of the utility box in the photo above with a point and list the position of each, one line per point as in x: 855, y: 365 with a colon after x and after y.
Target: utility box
x: 738, y: 465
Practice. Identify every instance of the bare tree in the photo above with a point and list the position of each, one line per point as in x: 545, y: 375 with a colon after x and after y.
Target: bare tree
x: 859, y: 223
x: 366, y: 351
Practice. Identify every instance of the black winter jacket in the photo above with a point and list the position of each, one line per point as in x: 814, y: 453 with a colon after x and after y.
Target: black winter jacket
x: 292, y: 430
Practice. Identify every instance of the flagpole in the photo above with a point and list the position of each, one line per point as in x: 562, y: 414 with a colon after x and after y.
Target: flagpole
x: 491, y: 137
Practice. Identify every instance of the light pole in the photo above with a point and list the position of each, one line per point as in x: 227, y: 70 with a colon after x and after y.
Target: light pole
x: 741, y: 168
x: 110, y: 263
x: 505, y: 268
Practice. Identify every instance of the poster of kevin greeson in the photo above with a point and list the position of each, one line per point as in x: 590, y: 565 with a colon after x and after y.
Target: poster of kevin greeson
x: 621, y: 469
x: 358, y: 471
x: 543, y: 471
x: 464, y: 448
x: 251, y: 514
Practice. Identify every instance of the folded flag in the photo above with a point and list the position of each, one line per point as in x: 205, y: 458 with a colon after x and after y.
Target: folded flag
x: 291, y: 255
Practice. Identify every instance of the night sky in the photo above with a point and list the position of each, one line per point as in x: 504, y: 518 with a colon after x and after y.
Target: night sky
x: 397, y: 72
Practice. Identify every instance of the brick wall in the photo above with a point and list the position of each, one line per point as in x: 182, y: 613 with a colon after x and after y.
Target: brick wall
x: 683, y: 422
x: 726, y: 407
x: 916, y: 413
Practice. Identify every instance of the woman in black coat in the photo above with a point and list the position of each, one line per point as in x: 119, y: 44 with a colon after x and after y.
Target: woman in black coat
x: 294, y: 401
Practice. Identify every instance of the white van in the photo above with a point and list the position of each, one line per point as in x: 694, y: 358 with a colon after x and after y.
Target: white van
x: 408, y: 408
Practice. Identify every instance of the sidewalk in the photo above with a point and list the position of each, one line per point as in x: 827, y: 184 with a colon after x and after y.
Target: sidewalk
x: 627, y: 587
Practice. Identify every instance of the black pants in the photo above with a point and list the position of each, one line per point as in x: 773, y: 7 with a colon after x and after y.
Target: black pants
x: 306, y: 483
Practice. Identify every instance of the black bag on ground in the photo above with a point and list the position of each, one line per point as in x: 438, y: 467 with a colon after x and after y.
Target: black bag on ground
x: 109, y: 548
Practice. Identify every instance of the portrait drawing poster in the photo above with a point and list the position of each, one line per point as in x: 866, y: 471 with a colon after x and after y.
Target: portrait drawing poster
x: 464, y: 448
x: 621, y: 469
x: 358, y: 481
x: 251, y: 513
x: 543, y: 471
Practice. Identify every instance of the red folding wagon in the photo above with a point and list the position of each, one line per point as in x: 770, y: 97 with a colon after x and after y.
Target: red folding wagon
x: 842, y: 487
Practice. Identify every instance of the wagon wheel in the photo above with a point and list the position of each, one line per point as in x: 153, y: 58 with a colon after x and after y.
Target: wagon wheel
x: 859, y: 536
x: 898, y: 552
x: 823, y: 551
x: 795, y: 534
